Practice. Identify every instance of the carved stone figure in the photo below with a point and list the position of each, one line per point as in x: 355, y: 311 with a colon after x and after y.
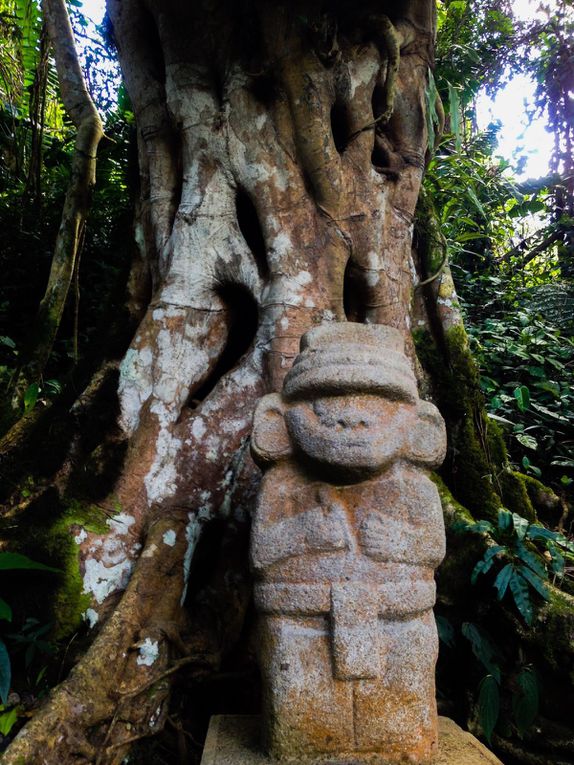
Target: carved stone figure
x: 347, y: 533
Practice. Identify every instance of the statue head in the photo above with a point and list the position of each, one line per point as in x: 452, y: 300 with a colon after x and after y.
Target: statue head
x: 349, y: 407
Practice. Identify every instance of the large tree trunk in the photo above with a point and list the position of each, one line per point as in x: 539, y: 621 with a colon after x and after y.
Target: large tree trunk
x: 281, y: 151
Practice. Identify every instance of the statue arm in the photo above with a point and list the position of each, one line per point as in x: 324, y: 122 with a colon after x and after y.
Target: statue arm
x: 317, y: 530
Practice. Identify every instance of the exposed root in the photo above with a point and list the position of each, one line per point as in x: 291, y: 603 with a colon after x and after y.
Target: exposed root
x: 70, y: 721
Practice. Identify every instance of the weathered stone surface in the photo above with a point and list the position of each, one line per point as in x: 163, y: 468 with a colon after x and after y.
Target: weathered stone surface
x: 346, y: 536
x: 235, y: 740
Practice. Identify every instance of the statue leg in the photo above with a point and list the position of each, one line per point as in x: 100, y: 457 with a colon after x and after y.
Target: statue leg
x: 306, y: 711
x: 396, y: 714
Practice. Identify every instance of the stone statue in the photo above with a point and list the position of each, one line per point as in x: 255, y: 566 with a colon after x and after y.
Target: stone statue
x: 347, y: 533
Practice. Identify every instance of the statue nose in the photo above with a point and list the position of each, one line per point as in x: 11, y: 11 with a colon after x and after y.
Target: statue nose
x: 352, y: 420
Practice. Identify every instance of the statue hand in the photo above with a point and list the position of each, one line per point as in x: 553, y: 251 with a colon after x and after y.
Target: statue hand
x: 374, y: 537
x: 326, y: 528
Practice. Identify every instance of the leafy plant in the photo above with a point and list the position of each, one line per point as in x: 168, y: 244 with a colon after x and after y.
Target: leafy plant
x: 488, y: 705
x: 32, y: 639
x: 520, y: 554
x: 10, y: 561
x: 516, y: 689
x: 526, y: 365
x: 8, y: 718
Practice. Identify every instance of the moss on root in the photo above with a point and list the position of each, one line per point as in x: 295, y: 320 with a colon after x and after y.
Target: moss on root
x: 515, y: 494
x: 546, y: 503
x: 52, y: 527
x: 453, y: 511
x: 70, y: 602
x: 476, y: 468
x: 477, y: 453
x: 463, y: 550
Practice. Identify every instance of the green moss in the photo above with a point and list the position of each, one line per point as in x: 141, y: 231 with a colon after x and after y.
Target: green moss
x: 530, y: 498
x: 477, y: 453
x: 548, y: 505
x: 51, y: 527
x: 555, y: 632
x: 476, y: 468
x: 462, y: 550
x: 70, y: 601
x: 431, y: 244
x: 515, y: 494
x: 453, y: 511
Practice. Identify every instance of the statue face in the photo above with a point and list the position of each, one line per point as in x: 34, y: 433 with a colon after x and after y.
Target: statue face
x: 355, y: 434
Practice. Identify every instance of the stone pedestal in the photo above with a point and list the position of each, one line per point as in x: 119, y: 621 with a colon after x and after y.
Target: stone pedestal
x: 234, y: 740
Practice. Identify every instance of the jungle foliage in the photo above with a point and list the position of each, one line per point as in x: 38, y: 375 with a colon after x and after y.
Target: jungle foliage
x: 36, y: 143
x: 509, y: 244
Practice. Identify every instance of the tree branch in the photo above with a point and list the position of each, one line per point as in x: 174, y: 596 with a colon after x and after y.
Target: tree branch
x: 82, y: 111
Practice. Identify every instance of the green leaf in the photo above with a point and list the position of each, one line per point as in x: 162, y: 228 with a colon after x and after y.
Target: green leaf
x: 475, y: 200
x: 549, y: 413
x: 431, y: 115
x: 482, y: 567
x: 528, y: 441
x: 7, y: 341
x: 470, y: 236
x: 522, y: 396
x: 521, y: 595
x: 564, y: 543
x: 7, y: 720
x: 537, y: 372
x: 498, y: 418
x: 445, y: 630
x: 536, y: 582
x: 482, y: 648
x: 493, y: 551
x: 520, y: 525
x: 529, y: 467
x: 31, y: 396
x: 557, y: 560
x: 531, y: 559
x: 504, y: 519
x: 502, y: 580
x: 454, y: 112
x: 53, y: 386
x: 555, y: 363
x: 539, y: 532
x: 480, y: 527
x: 488, y: 705
x: 9, y: 560
x: 5, y: 673
x: 28, y: 14
x: 525, y: 701
x: 5, y: 610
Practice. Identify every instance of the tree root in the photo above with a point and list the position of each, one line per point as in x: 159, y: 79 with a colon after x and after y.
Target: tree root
x: 100, y: 704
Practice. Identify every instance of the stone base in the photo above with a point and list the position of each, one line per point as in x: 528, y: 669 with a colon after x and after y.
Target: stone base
x: 234, y: 740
